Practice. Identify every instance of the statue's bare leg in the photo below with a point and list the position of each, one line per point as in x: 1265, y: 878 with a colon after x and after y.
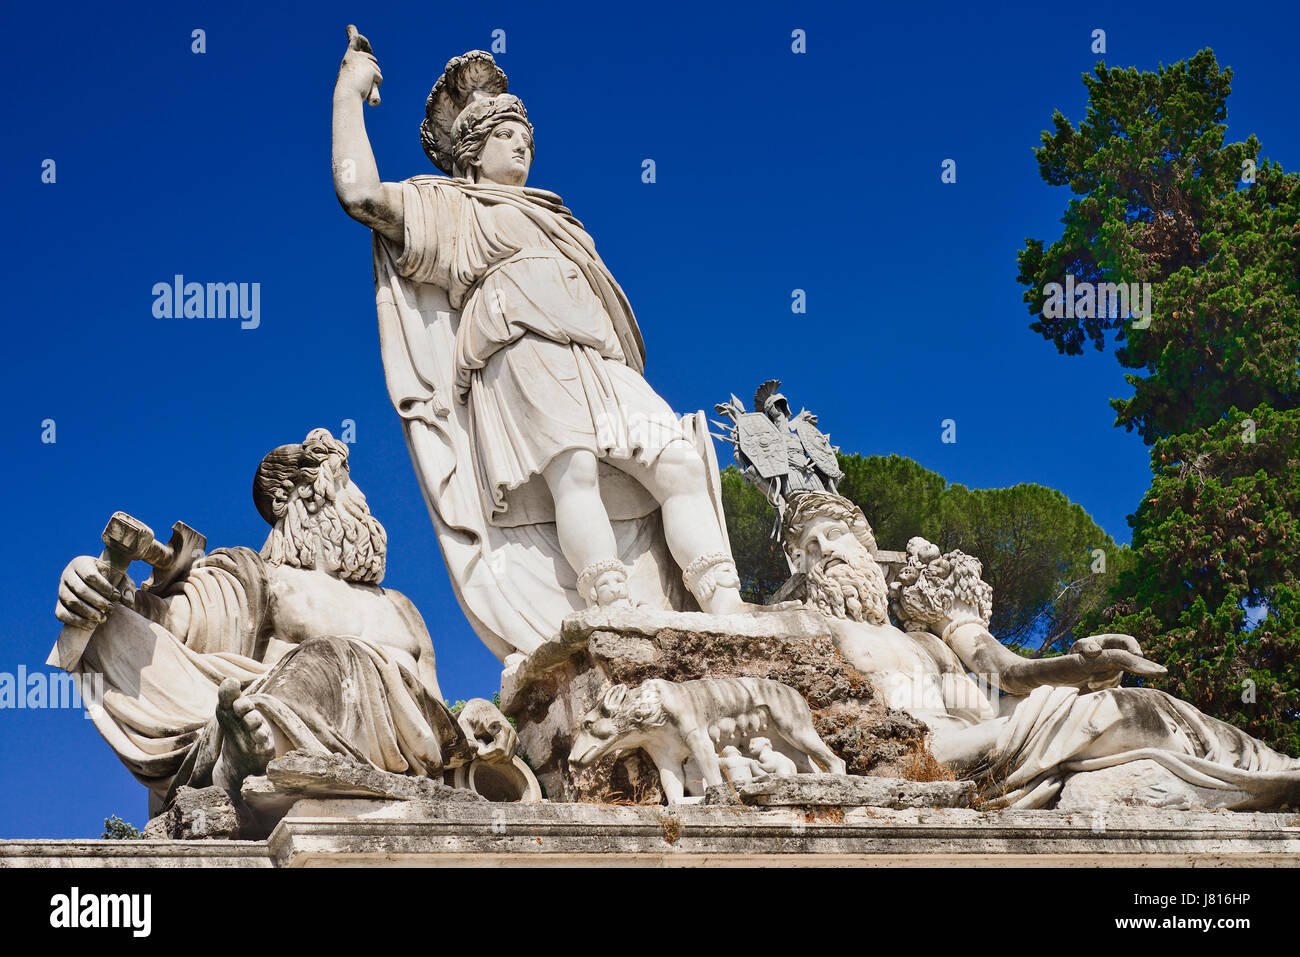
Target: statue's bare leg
x: 583, y: 526
x: 678, y: 481
x: 701, y: 746
x: 672, y: 774
x: 806, y: 739
x: 248, y: 744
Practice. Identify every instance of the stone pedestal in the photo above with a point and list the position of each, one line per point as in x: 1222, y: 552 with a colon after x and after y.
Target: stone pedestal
x: 352, y: 832
x: 549, y: 692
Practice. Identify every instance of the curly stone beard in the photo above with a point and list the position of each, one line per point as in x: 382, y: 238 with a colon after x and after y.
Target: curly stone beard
x: 853, y: 589
x: 334, y: 525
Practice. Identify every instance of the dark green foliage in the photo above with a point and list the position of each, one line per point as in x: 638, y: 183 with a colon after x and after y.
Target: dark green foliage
x: 1217, y: 533
x: 116, y: 829
x: 899, y: 497
x: 1038, y: 554
x: 1159, y: 197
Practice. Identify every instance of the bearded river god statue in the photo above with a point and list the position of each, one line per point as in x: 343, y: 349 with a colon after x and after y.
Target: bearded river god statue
x: 1033, y: 732
x: 213, y: 669
x: 555, y: 476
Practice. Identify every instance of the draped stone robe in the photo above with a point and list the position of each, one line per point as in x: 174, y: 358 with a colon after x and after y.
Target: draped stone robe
x: 162, y: 664
x: 505, y: 341
x: 1055, y: 733
x: 1037, y: 743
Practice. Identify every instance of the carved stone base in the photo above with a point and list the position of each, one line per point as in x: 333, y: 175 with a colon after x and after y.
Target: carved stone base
x: 549, y: 692
x: 380, y: 833
x: 843, y: 790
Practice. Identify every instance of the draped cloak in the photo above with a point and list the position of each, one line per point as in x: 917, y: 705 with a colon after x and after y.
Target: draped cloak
x: 1038, y: 741
x: 1056, y: 732
x: 505, y: 340
x: 161, y: 670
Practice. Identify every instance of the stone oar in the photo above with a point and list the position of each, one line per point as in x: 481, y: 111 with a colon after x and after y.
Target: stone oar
x: 127, y: 539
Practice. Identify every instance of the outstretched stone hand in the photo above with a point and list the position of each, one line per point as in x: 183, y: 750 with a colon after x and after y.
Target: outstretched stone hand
x: 488, y: 730
x: 1107, y: 657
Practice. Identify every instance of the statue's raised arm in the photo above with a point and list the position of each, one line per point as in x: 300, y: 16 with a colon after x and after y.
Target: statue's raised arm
x: 356, y: 176
x: 945, y: 594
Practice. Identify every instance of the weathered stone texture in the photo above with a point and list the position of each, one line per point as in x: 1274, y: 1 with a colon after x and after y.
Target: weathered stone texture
x: 549, y: 693
x: 196, y: 814
x: 840, y: 790
x: 357, y: 832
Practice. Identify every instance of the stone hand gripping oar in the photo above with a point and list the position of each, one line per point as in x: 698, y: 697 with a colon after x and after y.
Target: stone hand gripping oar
x: 125, y: 539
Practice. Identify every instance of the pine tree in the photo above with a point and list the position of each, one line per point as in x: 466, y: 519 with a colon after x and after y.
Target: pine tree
x: 1160, y: 198
x: 1214, y: 592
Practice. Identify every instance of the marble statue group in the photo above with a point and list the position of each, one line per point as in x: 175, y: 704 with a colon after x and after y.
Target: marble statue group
x: 562, y: 487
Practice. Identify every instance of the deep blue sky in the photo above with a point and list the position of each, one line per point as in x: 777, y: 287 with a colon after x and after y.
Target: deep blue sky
x: 775, y: 171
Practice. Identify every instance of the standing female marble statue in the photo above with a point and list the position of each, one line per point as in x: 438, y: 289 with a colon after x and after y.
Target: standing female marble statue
x: 554, y: 474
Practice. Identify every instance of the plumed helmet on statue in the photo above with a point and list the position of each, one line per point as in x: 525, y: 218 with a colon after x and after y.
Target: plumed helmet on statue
x: 767, y: 397
x: 466, y: 102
